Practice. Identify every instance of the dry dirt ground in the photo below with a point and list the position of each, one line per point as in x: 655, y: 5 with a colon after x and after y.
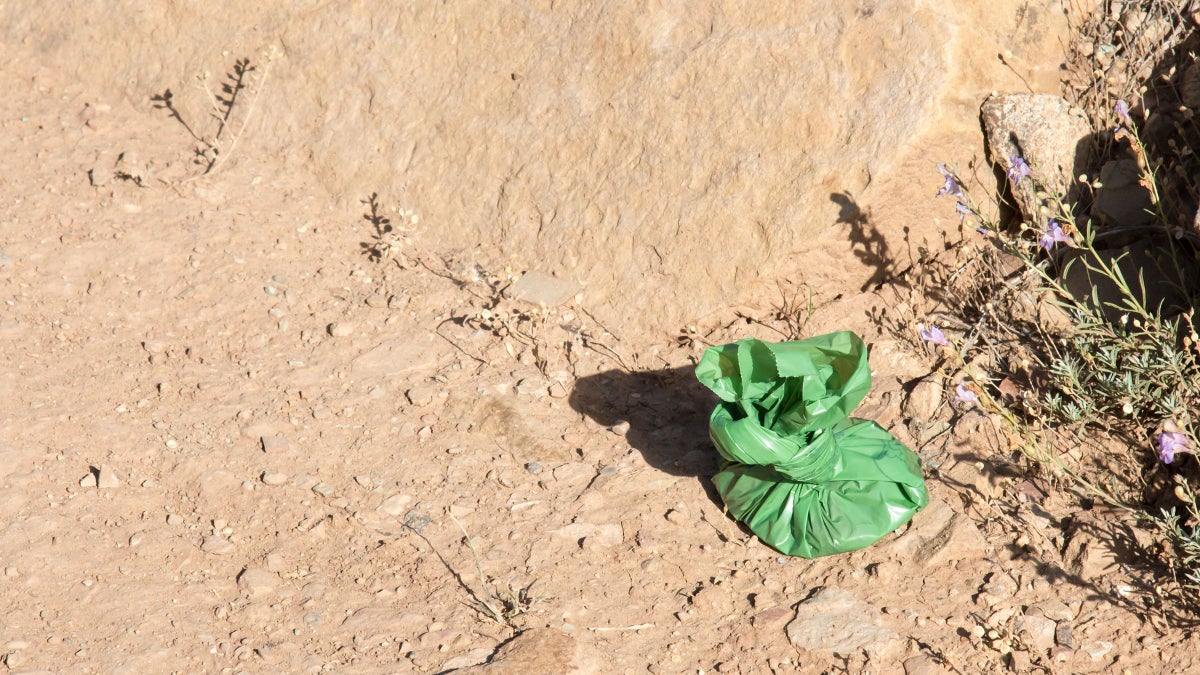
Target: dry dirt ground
x: 231, y: 441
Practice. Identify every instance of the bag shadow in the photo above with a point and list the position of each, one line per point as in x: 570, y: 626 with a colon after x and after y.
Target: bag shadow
x: 667, y: 411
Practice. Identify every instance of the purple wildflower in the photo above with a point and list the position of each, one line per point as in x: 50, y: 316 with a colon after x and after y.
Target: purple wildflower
x: 984, y: 231
x: 1019, y: 169
x: 1053, y: 235
x: 1123, y: 112
x: 1171, y: 442
x: 965, y: 395
x: 935, y: 335
x: 951, y: 187
x: 963, y: 212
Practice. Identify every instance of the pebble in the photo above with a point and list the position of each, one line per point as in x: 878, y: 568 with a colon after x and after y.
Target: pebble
x: 396, y: 504
x: 88, y: 481
x: 255, y: 581
x: 1039, y: 631
x: 341, y: 329
x: 274, y: 478
x: 924, y: 399
x: 173, y: 519
x: 274, y: 444
x: 416, y: 521
x: 1052, y: 608
x: 620, y: 428
x: 108, y: 478
x: 420, y: 396
x: 532, y: 386
x: 135, y: 538
x: 324, y: 489
x: 533, y: 467
x: 1063, y: 636
x: 1098, y: 649
x: 216, y: 545
x: 364, y: 481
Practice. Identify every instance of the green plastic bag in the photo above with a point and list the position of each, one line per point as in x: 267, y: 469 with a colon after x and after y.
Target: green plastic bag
x: 807, y: 478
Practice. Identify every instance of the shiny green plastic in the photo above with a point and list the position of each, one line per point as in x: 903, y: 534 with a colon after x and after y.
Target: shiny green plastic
x: 807, y: 478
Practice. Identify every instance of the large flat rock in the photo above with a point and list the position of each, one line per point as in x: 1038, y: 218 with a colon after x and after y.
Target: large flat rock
x: 673, y: 154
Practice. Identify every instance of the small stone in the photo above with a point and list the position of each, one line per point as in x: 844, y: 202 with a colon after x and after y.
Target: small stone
x: 540, y: 288
x: 274, y: 444
x: 15, y: 660
x: 1063, y: 636
x: 773, y: 619
x: 174, y: 519
x: 420, y: 396
x: 154, y: 346
x: 925, y: 399
x: 311, y: 619
x: 274, y: 478
x: 677, y: 516
x: 107, y: 479
x: 341, y: 329
x: 923, y: 664
x: 620, y: 428
x: 255, y: 581
x: 135, y: 539
x: 324, y: 489
x: 396, y: 504
x: 1098, y: 649
x: 364, y: 481
x: 216, y: 545
x: 1051, y: 608
x: 533, y: 467
x: 415, y: 520
x: 532, y: 386
x: 88, y: 481
x: 1037, y: 631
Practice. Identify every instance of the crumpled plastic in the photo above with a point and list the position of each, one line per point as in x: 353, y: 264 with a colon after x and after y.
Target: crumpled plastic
x: 808, y: 479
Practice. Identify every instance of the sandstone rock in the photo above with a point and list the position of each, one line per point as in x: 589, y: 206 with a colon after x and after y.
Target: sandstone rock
x: 1042, y: 129
x: 833, y: 620
x: 617, y: 147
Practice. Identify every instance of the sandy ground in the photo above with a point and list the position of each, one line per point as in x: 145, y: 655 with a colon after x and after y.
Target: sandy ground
x: 231, y: 441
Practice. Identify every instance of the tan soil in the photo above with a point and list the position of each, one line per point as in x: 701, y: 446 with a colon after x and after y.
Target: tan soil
x: 258, y: 388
